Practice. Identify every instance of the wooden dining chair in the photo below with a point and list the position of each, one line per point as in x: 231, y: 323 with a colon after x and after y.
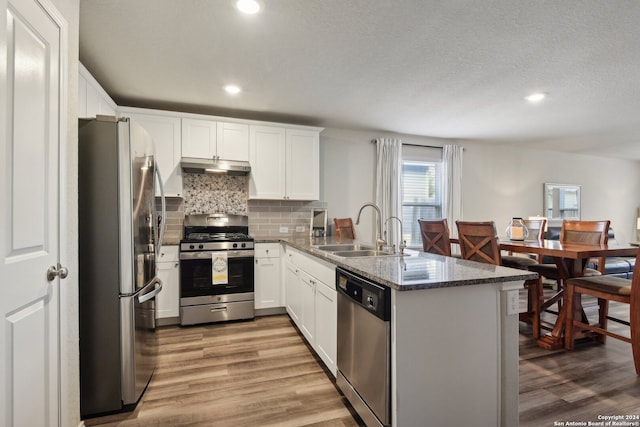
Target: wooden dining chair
x: 479, y: 241
x: 536, y: 232
x: 344, y: 228
x: 572, y: 231
x: 605, y: 289
x: 435, y: 236
x: 579, y: 232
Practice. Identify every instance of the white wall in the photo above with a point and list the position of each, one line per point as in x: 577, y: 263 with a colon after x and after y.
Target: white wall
x: 499, y: 182
x: 347, y: 169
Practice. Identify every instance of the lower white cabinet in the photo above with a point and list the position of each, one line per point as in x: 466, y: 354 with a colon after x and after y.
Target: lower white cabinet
x: 267, y: 275
x: 311, y: 301
x: 308, y: 312
x: 168, y: 300
x: 326, y: 310
x: 293, y: 293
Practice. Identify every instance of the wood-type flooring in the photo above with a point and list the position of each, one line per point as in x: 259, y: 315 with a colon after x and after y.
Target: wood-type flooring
x: 261, y: 373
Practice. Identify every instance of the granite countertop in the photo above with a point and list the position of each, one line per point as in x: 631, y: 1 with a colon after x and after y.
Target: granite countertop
x: 416, y: 270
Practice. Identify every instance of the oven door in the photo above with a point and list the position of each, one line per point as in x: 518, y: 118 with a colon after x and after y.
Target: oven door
x: 196, y: 274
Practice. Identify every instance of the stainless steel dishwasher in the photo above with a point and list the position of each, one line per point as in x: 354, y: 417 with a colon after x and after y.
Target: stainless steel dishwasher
x: 364, y: 346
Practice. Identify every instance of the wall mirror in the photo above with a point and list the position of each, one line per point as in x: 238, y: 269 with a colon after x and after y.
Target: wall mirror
x: 561, y: 201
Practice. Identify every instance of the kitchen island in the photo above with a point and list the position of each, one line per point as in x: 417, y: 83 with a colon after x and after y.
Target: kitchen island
x: 454, y: 335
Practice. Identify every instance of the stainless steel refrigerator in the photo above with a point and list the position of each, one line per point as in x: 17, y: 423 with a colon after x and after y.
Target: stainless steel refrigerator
x: 119, y: 240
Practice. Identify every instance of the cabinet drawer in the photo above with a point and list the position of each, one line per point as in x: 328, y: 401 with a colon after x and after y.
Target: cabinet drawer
x: 267, y: 250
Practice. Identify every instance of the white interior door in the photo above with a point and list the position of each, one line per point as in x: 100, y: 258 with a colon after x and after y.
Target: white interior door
x: 30, y: 122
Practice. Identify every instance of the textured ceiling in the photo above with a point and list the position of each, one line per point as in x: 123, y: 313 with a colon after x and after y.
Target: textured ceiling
x: 452, y: 68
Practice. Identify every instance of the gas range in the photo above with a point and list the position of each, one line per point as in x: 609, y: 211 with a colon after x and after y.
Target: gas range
x: 216, y: 232
x: 216, y: 269
x: 214, y: 241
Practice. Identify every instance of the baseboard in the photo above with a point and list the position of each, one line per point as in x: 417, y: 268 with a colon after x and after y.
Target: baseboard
x: 270, y: 311
x: 165, y: 321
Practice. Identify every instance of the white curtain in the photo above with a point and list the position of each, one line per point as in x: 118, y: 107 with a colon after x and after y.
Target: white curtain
x: 452, y: 185
x: 388, y: 185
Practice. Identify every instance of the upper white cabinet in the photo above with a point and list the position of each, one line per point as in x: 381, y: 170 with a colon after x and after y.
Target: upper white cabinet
x: 232, y: 141
x: 93, y: 99
x: 207, y: 139
x: 198, y: 138
x: 285, y: 163
x: 303, y: 164
x: 165, y: 131
x: 267, y: 158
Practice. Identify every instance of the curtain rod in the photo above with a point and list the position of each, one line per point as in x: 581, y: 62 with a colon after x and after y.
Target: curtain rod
x: 418, y: 145
x: 415, y: 145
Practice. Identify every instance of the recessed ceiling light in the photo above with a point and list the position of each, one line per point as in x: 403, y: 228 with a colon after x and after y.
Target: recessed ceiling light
x: 232, y: 89
x: 249, y: 7
x: 536, y: 97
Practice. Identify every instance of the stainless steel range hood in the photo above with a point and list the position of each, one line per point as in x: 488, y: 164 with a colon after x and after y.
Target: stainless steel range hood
x: 223, y: 167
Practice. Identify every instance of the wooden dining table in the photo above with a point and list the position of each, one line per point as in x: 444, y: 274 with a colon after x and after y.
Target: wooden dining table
x: 571, y: 260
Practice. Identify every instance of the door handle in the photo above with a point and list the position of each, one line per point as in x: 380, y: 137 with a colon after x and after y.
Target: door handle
x: 57, y: 271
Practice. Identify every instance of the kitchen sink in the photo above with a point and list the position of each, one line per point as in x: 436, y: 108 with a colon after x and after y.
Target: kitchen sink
x: 345, y: 247
x: 363, y: 253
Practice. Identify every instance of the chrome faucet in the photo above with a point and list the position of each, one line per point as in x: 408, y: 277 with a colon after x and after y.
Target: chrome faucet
x: 379, y: 242
x: 403, y: 243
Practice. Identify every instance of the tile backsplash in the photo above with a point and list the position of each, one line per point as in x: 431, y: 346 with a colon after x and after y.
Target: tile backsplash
x: 208, y: 193
x: 267, y: 216
x: 229, y: 194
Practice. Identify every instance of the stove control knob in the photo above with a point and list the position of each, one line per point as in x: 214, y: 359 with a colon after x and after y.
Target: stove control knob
x: 200, y: 246
x: 244, y: 245
x: 370, y: 301
x: 235, y: 245
x: 191, y: 247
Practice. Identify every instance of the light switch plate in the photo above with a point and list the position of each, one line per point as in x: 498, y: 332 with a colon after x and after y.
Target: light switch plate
x: 284, y: 229
x: 513, y: 302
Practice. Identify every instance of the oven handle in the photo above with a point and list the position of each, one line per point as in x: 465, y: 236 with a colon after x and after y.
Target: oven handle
x: 209, y: 255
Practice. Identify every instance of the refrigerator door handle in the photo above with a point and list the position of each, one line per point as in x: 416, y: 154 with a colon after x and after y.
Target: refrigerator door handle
x: 163, y: 203
x: 157, y: 288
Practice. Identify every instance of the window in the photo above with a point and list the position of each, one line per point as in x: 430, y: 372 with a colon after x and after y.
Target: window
x: 421, y: 190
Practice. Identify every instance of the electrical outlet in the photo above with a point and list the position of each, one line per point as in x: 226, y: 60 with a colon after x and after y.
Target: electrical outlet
x: 284, y: 229
x: 513, y: 302
x: 299, y: 228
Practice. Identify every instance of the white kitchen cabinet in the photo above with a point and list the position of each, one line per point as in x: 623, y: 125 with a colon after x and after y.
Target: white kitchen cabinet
x: 165, y: 131
x: 308, y: 313
x: 267, y: 275
x: 199, y: 138
x: 311, y: 301
x: 267, y: 157
x: 285, y: 163
x: 208, y: 139
x: 93, y: 99
x: 293, y: 294
x: 168, y: 300
x: 303, y: 165
x: 326, y: 309
x: 232, y: 141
